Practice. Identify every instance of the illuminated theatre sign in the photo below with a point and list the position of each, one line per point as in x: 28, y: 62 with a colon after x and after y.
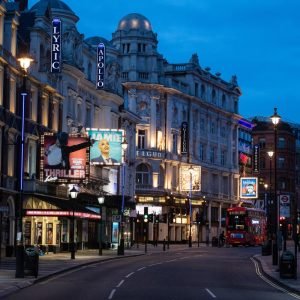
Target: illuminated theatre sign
x: 64, y: 158
x: 56, y: 46
x: 100, y: 66
x: 107, y: 149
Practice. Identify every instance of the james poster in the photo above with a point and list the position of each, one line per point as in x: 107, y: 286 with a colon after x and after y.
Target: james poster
x: 64, y: 157
x: 107, y: 149
x: 248, y: 187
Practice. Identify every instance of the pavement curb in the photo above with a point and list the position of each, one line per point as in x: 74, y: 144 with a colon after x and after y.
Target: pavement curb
x: 275, y: 280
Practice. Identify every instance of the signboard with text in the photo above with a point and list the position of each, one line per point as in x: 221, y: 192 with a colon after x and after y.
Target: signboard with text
x: 285, y: 206
x: 56, y: 46
x: 64, y: 158
x: 100, y: 66
x: 248, y: 187
x: 107, y: 149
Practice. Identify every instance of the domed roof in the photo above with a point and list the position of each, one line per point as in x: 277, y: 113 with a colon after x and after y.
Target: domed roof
x: 134, y: 21
x: 53, y: 4
x: 96, y: 40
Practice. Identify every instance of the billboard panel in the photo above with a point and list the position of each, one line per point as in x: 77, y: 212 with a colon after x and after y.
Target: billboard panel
x: 64, y: 157
x: 185, y: 178
x: 248, y: 187
x: 285, y: 206
x: 107, y: 149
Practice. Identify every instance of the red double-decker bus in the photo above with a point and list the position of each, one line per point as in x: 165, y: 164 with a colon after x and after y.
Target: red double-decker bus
x: 245, y: 226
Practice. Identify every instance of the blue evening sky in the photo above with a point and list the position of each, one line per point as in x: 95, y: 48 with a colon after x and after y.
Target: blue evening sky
x: 258, y: 41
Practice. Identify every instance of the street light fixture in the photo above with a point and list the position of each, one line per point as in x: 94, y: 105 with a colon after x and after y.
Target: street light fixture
x: 270, y: 154
x: 25, y: 62
x: 124, y: 145
x: 101, y: 202
x: 73, y: 194
x: 191, y: 170
x: 275, y: 120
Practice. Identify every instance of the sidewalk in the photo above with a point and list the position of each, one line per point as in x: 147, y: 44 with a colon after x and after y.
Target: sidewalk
x: 272, y: 271
x: 54, y: 264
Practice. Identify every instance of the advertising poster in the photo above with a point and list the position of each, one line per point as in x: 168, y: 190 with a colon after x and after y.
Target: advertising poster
x: 64, y: 157
x: 248, y: 187
x: 284, y: 201
x: 107, y: 149
x: 115, y: 232
x: 190, y: 182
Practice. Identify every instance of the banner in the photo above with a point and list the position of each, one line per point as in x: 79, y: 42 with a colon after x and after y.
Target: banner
x: 188, y: 181
x: 107, y: 149
x: 56, y: 46
x: 285, y: 206
x: 64, y: 158
x: 248, y: 187
x: 100, y: 66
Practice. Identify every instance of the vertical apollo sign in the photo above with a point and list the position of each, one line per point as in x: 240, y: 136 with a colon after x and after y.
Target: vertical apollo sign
x: 56, y: 46
x: 100, y: 66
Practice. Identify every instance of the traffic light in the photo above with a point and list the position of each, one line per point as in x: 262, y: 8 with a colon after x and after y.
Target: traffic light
x: 198, y: 218
x: 156, y: 218
x: 146, y: 216
x: 187, y: 206
x: 150, y: 218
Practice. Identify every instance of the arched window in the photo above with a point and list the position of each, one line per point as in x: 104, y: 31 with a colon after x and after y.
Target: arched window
x: 142, y: 174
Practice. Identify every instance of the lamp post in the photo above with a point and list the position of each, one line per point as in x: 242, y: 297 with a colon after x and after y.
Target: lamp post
x: 190, y: 203
x: 73, y: 194
x: 101, y: 202
x: 25, y: 64
x: 124, y: 145
x: 266, y: 198
x: 275, y: 120
x: 270, y: 154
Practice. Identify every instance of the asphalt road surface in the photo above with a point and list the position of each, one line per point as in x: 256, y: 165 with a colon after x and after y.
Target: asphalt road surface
x: 193, y: 273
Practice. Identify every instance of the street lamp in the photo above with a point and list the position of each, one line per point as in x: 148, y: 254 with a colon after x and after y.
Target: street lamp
x: 101, y: 202
x: 124, y: 145
x: 25, y: 62
x: 275, y: 120
x: 73, y: 194
x: 266, y: 197
x: 190, y: 203
x: 270, y: 154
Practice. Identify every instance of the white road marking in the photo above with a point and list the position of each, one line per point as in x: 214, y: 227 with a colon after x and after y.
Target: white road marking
x: 120, y: 283
x: 167, y: 261
x: 211, y: 293
x: 270, y: 282
x: 128, y: 275
x: 142, y: 268
x: 111, y: 294
x: 155, y: 264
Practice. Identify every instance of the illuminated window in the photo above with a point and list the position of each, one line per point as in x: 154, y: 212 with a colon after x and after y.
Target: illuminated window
x: 141, y: 139
x: 142, y: 174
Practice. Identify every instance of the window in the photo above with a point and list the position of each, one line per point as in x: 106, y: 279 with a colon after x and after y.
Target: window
x: 212, y: 128
x: 202, y: 125
x: 281, y: 162
x: 223, y: 157
x: 196, y: 89
x: 224, y: 101
x: 88, y: 121
x: 213, y: 97
x: 174, y: 143
x: 141, y: 139
x: 142, y: 174
x: 201, y: 152
x: 262, y: 143
x: 281, y: 142
x: 212, y: 155
x: 203, y: 91
x: 223, y: 131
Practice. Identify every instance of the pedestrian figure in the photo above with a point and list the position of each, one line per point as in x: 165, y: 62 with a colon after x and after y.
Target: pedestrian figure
x: 221, y: 239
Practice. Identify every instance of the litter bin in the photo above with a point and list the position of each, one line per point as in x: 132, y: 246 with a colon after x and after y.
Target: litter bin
x: 266, y: 248
x: 31, y: 262
x: 287, y: 266
x: 214, y: 241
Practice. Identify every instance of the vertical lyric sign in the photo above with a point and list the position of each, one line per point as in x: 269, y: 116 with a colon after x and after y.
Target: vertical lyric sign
x: 100, y: 66
x: 56, y: 46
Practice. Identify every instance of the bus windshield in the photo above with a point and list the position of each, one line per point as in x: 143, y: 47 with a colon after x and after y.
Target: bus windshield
x: 236, y: 222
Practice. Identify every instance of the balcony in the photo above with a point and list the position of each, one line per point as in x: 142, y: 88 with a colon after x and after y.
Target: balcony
x: 148, y: 188
x: 36, y: 186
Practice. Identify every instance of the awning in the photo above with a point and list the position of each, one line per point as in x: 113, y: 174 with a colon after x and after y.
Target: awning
x: 59, y: 207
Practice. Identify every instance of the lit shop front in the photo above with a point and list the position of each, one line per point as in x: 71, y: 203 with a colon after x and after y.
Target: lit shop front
x: 47, y: 223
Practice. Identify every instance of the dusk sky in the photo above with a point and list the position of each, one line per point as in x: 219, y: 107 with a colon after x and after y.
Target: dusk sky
x: 258, y: 41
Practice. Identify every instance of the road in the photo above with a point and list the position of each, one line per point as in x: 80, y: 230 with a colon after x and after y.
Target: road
x: 192, y: 273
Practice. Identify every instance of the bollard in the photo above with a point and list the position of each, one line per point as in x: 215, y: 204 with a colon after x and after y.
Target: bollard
x: 164, y: 245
